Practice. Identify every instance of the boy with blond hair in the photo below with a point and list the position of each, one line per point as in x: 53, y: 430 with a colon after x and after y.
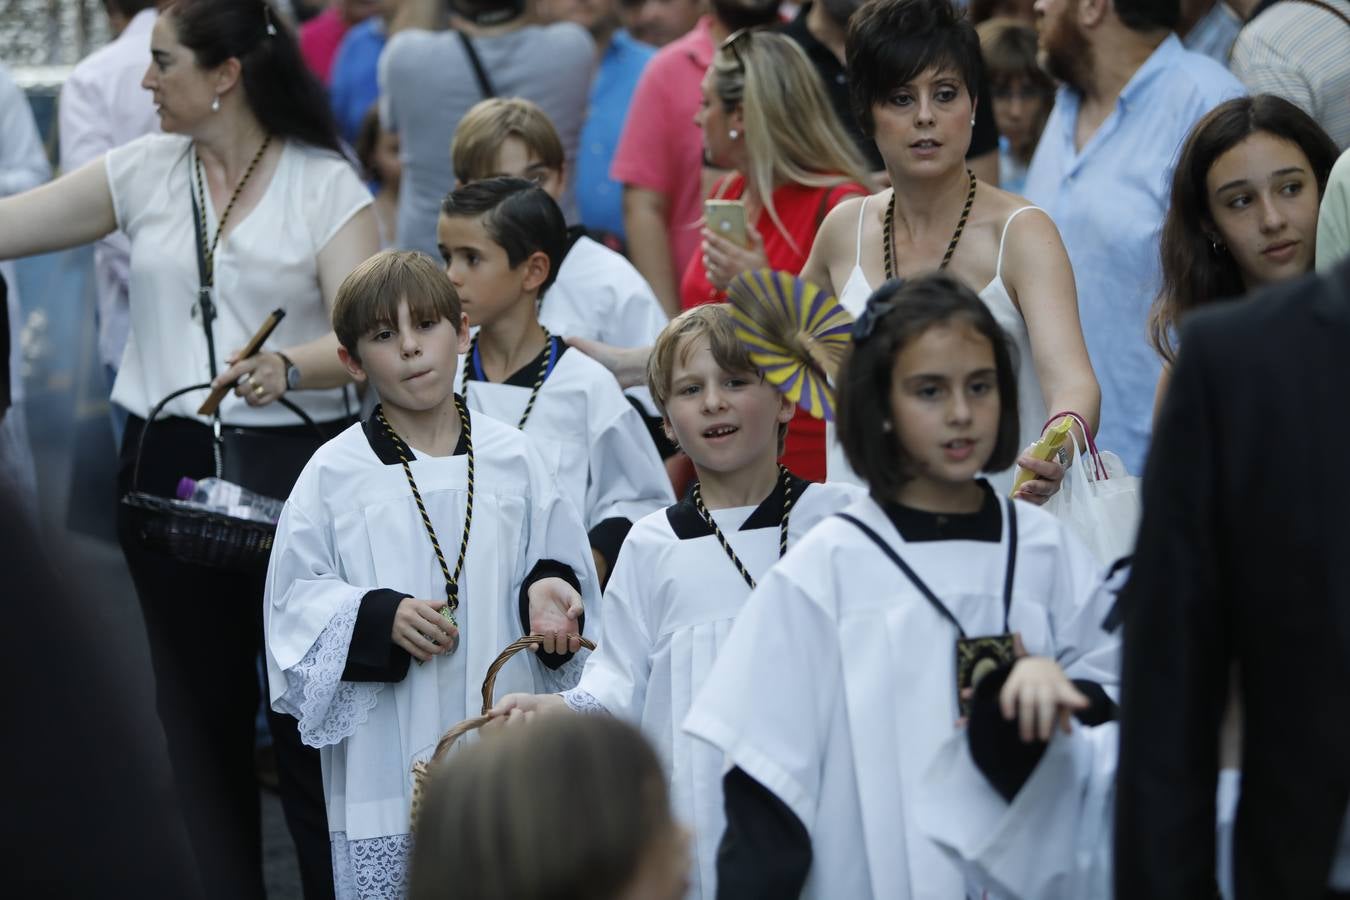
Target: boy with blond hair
x: 426, y: 532
x: 685, y: 571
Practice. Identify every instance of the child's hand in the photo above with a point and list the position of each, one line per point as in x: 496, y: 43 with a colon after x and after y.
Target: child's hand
x: 555, y: 607
x: 1037, y: 693
x: 420, y: 629
x: 516, y: 709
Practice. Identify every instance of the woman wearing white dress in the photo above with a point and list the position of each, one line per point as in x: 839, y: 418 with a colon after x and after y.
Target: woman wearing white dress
x: 248, y: 140
x: 912, y: 68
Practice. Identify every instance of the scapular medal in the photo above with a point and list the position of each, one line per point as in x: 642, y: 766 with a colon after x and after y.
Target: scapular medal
x: 975, y: 658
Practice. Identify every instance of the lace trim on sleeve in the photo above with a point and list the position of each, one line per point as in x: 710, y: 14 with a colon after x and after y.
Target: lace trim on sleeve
x: 566, y: 676
x: 328, y: 708
x: 580, y: 701
x: 371, y: 868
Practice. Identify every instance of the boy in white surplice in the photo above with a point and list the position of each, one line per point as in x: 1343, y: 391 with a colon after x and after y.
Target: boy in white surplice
x: 684, y: 572
x: 425, y: 532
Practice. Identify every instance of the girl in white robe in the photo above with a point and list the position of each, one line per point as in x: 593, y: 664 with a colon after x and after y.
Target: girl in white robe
x: 838, y: 682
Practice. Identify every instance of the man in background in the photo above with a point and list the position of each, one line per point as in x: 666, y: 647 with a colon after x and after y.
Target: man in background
x: 103, y: 106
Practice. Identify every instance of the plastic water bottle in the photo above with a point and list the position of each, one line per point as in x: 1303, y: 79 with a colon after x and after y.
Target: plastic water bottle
x: 227, y: 497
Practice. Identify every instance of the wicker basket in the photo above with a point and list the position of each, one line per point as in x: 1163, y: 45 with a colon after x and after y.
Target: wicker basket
x: 421, y: 769
x: 193, y: 535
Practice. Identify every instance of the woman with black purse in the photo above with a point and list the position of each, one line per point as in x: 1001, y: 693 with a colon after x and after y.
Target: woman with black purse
x: 244, y: 205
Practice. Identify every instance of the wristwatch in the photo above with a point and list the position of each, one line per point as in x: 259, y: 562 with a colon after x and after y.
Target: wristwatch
x: 292, y: 372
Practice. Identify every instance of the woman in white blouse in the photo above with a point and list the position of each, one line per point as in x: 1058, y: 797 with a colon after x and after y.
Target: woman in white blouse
x: 249, y: 138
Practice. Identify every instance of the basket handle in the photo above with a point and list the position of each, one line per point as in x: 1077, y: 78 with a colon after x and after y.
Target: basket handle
x: 489, y: 682
x: 159, y: 407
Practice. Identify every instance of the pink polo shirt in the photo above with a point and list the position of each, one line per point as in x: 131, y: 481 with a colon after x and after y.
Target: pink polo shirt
x: 661, y: 148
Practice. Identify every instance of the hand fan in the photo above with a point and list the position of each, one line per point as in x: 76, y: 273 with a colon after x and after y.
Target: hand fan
x: 795, y: 333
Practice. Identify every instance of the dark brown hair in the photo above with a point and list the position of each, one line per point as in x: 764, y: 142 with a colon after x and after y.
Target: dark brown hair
x: 369, y: 297
x: 891, y: 42
x: 1194, y: 272
x: 902, y: 311
x: 489, y: 829
x: 284, y: 96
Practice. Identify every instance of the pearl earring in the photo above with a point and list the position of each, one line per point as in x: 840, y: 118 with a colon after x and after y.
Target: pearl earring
x: 733, y: 134
x: 886, y: 426
x: 215, y: 103
x: 972, y: 121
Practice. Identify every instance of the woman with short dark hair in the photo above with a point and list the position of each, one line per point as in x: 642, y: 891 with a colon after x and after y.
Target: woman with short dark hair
x: 245, y: 204
x: 913, y: 65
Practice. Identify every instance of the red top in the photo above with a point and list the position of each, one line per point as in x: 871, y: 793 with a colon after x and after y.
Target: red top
x: 801, y: 210
x: 319, y: 41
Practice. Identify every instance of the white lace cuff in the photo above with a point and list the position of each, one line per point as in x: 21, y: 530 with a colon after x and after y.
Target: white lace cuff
x: 328, y: 708
x: 580, y: 701
x: 568, y: 675
x: 372, y: 869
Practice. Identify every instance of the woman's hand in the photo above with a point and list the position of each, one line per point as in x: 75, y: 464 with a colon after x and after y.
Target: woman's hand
x: 421, y: 629
x: 723, y: 259
x: 1039, y: 695
x: 260, y: 379
x: 1049, y: 477
x: 555, y: 607
x: 629, y: 364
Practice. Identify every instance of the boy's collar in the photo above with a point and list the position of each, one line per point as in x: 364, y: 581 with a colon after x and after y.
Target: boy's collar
x: 383, y: 446
x: 688, y: 524
x: 526, y: 375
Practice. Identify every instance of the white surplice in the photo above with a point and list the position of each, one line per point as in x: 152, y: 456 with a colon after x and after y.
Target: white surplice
x: 590, y: 436
x: 837, y: 685
x: 669, y: 605
x: 1055, y: 840
x: 601, y: 296
x: 351, y: 526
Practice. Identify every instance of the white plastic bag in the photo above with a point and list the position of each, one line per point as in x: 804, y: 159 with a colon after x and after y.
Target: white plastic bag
x: 1099, y: 501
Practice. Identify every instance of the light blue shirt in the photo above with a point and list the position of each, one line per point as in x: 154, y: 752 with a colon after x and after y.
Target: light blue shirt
x: 599, y: 197
x: 1109, y: 202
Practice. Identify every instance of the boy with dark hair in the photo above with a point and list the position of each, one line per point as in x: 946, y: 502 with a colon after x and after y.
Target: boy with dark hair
x: 503, y: 240
x: 420, y: 526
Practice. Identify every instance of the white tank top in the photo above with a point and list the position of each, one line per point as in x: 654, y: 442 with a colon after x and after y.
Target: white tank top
x: 1031, y: 409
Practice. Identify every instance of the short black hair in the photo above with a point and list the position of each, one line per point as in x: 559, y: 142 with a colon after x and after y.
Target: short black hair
x: 1148, y: 15
x: 890, y: 42
x: 903, y: 311
x: 128, y: 8
x: 518, y: 215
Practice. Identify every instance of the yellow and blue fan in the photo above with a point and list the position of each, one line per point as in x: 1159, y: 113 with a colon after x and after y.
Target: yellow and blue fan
x: 795, y: 333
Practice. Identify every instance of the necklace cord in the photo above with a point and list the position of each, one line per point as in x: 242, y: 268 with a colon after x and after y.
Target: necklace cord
x: 888, y: 233
x: 544, y: 368
x: 209, y: 247
x: 785, y: 479
x: 405, y: 456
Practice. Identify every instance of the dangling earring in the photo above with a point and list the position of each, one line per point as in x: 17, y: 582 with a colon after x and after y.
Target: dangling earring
x: 1216, y: 244
x: 733, y: 134
x: 972, y: 121
x: 215, y: 103
x: 886, y: 426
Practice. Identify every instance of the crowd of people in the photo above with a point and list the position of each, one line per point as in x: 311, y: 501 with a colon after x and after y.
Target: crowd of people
x: 772, y: 655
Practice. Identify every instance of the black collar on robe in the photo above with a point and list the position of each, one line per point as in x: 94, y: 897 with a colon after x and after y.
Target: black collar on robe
x: 385, y: 449
x: 688, y: 524
x: 917, y: 525
x: 527, y: 374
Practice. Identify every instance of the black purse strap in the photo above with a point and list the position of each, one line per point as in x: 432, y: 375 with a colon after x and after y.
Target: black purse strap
x: 480, y: 73
x: 925, y: 590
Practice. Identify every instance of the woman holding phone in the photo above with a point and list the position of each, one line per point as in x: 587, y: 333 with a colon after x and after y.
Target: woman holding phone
x: 913, y: 65
x: 766, y: 118
x: 248, y: 195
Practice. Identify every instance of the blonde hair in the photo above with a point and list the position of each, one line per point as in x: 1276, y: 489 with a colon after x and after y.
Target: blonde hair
x: 792, y: 134
x: 370, y: 295
x: 712, y: 321
x: 488, y: 822
x: 486, y: 126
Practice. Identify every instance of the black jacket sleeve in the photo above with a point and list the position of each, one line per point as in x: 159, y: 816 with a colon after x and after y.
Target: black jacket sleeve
x: 548, y: 568
x: 1175, y: 663
x: 765, y: 851
x: 372, y: 655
